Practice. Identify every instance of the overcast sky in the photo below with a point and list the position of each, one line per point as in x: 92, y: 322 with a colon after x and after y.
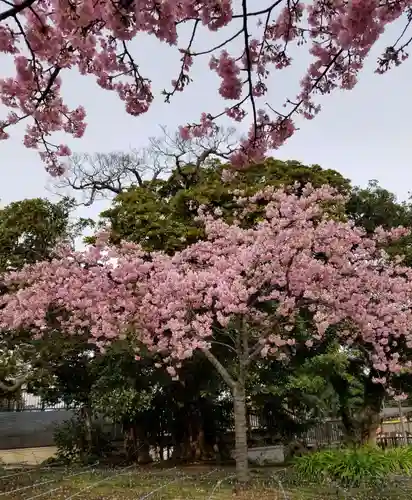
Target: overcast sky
x: 364, y: 134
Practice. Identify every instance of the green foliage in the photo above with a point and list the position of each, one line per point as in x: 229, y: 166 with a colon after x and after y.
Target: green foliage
x: 30, y: 230
x: 297, y: 394
x: 121, y: 403
x: 402, y: 457
x: 161, y: 215
x: 355, y: 466
x: 134, y: 392
x: 71, y: 440
x: 68, y: 363
x: 375, y: 206
x: 122, y: 387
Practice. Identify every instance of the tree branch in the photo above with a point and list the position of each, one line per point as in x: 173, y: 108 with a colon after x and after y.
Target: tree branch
x: 220, y: 368
x: 254, y: 352
x: 15, y: 10
x: 223, y: 344
x: 249, y: 65
x: 15, y: 385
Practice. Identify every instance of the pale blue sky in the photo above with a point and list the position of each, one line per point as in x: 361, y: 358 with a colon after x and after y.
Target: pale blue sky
x: 364, y: 134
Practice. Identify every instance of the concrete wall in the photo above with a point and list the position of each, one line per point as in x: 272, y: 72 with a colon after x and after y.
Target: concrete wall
x: 29, y: 429
x: 267, y: 455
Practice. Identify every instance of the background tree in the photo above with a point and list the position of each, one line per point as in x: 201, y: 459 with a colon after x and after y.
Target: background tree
x: 156, y: 411
x: 375, y: 206
x: 30, y: 231
x: 100, y: 385
x: 105, y: 175
x: 153, y: 410
x: 162, y: 216
x: 294, y: 396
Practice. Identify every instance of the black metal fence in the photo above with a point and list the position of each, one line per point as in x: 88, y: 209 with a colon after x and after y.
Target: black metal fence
x: 324, y: 434
x: 25, y: 401
x: 388, y: 441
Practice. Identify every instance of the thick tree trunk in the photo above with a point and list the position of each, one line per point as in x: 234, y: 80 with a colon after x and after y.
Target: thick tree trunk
x: 143, y: 450
x: 87, y: 417
x: 242, y: 467
x: 351, y: 437
x: 238, y: 386
x: 130, y: 442
x: 177, y: 451
x: 403, y: 428
x: 370, y: 426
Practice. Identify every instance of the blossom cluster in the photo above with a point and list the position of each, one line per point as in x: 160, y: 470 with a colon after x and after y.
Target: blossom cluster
x: 48, y: 37
x: 297, y: 256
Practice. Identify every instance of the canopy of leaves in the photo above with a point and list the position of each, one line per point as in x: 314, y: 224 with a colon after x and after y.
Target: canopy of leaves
x: 161, y: 215
x: 30, y: 230
x: 375, y: 206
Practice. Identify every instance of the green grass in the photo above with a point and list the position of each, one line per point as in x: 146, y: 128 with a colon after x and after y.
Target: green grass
x: 188, y: 483
x: 355, y: 467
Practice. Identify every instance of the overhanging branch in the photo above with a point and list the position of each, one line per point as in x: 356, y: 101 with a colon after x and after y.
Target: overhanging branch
x: 15, y: 386
x: 220, y: 368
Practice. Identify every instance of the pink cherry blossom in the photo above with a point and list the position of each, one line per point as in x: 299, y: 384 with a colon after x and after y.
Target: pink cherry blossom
x: 401, y: 397
x: 48, y: 38
x: 296, y: 256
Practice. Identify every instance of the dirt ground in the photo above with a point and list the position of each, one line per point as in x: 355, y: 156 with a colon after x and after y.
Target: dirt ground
x: 26, y: 456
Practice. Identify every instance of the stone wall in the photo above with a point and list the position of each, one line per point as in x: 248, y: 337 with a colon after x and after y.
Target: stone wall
x: 30, y: 429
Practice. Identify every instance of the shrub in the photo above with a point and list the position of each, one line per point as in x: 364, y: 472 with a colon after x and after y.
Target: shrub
x: 353, y: 467
x: 72, y: 445
x: 402, y: 458
x: 51, y: 462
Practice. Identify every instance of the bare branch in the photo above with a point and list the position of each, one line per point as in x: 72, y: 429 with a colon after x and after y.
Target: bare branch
x: 224, y: 344
x: 197, y: 151
x: 105, y: 175
x: 16, y: 10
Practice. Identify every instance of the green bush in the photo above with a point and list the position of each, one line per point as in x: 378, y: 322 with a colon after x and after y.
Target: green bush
x: 354, y: 467
x: 402, y: 457
x: 72, y: 444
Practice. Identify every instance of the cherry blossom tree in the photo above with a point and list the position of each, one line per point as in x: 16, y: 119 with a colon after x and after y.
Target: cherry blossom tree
x: 261, y: 291
x: 47, y: 38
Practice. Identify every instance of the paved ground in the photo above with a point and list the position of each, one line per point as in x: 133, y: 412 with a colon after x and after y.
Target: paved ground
x: 29, y: 456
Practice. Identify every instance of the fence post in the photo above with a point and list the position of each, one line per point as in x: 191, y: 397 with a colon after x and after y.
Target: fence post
x: 403, y: 429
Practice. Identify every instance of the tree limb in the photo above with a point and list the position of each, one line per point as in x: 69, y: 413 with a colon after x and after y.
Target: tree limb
x: 254, y: 352
x: 220, y: 368
x: 16, y: 385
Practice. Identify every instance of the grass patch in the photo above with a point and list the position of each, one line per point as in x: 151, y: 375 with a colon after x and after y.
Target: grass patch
x: 187, y: 483
x: 354, y: 467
